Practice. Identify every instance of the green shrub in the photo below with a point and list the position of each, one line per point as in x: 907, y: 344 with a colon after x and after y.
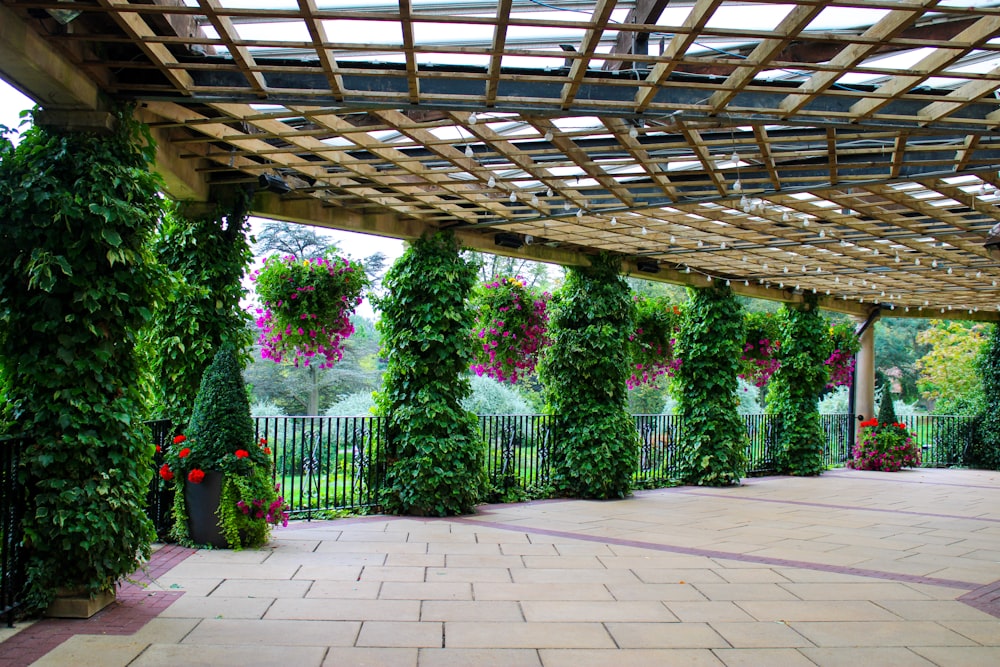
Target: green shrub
x: 434, y: 456
x: 584, y: 373
x: 490, y: 397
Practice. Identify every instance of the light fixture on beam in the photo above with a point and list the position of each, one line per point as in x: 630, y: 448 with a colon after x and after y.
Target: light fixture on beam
x: 647, y: 265
x: 273, y: 183
x: 506, y: 240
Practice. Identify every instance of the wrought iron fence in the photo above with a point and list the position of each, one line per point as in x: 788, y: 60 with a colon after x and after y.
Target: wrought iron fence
x: 160, y: 496
x: 325, y: 463
x: 13, y: 501
x: 517, y: 449
x: 839, y: 431
x: 333, y: 463
x: 658, y: 437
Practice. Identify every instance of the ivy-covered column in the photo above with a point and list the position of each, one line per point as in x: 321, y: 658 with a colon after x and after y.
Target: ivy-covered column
x: 795, y: 388
x: 434, y: 455
x: 584, y: 373
x: 76, y: 285
x: 714, y: 442
x: 206, y: 252
x: 986, y: 449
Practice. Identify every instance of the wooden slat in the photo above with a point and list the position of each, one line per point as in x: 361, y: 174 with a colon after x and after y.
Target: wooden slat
x: 325, y: 55
x: 599, y: 19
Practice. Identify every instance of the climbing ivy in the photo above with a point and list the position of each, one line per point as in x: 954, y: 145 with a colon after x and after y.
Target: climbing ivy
x: 986, y: 448
x: 434, y: 455
x: 795, y: 388
x: 206, y: 255
x: 77, y: 283
x: 584, y: 373
x: 713, y: 444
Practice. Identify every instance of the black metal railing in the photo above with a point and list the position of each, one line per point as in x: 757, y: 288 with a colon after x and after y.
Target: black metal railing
x: 13, y: 502
x: 160, y: 496
x: 658, y: 438
x: 333, y: 463
x: 517, y: 449
x: 325, y: 463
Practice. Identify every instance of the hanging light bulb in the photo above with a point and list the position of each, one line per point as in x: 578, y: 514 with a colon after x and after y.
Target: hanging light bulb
x: 614, y: 221
x: 492, y: 183
x: 875, y: 252
x: 897, y: 260
x: 644, y: 232
x: 548, y: 135
x: 814, y: 290
x: 473, y: 118
x: 979, y: 274
x: 513, y: 196
x: 673, y: 240
x: 549, y: 192
x: 819, y: 269
x: 836, y: 279
x: 916, y: 262
x: 805, y: 268
x: 735, y: 157
x: 828, y: 292
x: 934, y: 264
x: 534, y: 199
x: 744, y: 259
x: 727, y: 283
x: 764, y: 267
x: 566, y: 206
x: 785, y: 217
x: 822, y: 233
x: 745, y: 204
x: 708, y: 279
x: 949, y: 271
x: 579, y: 213
x: 633, y: 132
x: 746, y: 283
x: 687, y: 269
x: 907, y: 309
x: 722, y: 246
x: 468, y: 150
x: 784, y: 270
x: 738, y: 186
x: 701, y: 244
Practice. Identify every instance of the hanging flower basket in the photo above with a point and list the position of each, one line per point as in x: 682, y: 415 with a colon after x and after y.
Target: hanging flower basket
x: 651, y: 346
x: 841, y: 361
x: 758, y: 361
x: 510, y: 328
x: 307, y: 307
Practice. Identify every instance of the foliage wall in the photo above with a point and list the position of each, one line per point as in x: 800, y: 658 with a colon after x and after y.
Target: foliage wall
x: 713, y: 445
x: 795, y: 389
x: 76, y: 286
x: 584, y: 373
x: 986, y: 452
x: 435, y: 457
x: 206, y: 256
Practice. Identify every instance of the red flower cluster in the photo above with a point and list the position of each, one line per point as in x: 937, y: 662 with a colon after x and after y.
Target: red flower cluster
x: 196, y: 476
x: 165, y: 472
x: 242, y: 453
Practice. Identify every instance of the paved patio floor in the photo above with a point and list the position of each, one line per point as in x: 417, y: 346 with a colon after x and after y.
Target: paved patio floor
x: 851, y: 568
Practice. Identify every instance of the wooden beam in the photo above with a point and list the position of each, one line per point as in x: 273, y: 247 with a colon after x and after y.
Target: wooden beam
x: 32, y: 66
x: 644, y: 12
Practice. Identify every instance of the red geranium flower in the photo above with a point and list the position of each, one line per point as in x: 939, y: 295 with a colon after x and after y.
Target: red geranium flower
x: 267, y: 450
x: 195, y: 476
x: 165, y: 472
x: 179, y: 439
x: 184, y: 452
x: 242, y: 453
x: 158, y: 449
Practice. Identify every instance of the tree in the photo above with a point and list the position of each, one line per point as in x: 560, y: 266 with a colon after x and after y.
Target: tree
x: 986, y: 452
x: 535, y: 274
x: 896, y: 346
x: 292, y: 239
x: 948, y: 371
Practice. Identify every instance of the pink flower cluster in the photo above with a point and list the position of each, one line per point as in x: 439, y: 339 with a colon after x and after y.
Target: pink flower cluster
x: 841, y: 368
x: 304, y: 343
x: 273, y: 514
x: 510, y: 330
x: 758, y: 361
x: 658, y: 363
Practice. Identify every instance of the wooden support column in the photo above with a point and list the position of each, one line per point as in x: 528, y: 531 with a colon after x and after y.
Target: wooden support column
x: 864, y: 376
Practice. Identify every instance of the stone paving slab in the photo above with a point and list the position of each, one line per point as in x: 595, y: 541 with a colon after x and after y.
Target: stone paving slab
x: 850, y: 569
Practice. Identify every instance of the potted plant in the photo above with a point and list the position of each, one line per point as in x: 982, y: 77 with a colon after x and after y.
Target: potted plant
x: 224, y: 490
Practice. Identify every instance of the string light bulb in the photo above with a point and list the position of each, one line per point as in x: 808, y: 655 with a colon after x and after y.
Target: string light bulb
x: 548, y: 135
x: 468, y: 151
x: 492, y: 183
x: 473, y: 118
x: 513, y: 196
x: 614, y: 221
x: 633, y: 132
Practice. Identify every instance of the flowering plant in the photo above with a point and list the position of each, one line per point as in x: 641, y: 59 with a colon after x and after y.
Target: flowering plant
x: 651, y: 346
x: 759, y: 361
x: 885, y: 447
x: 511, y: 322
x: 306, y: 307
x: 222, y: 441
x: 841, y: 361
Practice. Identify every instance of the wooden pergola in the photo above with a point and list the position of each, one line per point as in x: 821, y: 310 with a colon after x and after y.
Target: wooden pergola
x: 843, y: 148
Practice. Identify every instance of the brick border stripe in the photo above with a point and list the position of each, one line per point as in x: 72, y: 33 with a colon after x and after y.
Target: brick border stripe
x: 853, y: 508
x: 133, y: 608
